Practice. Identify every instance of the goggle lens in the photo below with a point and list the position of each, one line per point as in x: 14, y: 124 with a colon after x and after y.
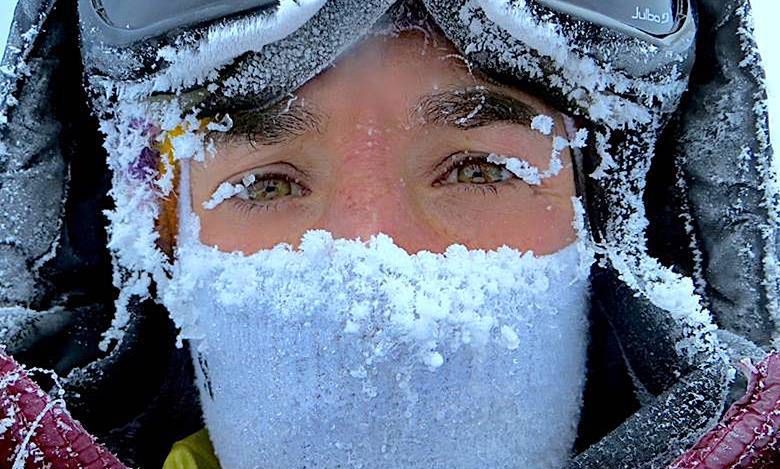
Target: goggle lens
x: 656, y: 17
x: 138, y: 15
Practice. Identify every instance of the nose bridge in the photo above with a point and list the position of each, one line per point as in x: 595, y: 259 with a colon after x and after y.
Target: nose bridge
x: 366, y: 197
x: 360, y: 212
x: 369, y: 194
x: 357, y: 212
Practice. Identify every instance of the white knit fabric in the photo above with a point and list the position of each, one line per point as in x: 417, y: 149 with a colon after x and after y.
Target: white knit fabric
x: 350, y: 354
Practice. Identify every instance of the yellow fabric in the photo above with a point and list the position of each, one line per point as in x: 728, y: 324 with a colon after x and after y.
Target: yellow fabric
x: 193, y: 452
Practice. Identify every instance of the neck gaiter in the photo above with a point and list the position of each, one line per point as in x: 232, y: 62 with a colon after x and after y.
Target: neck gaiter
x: 343, y: 353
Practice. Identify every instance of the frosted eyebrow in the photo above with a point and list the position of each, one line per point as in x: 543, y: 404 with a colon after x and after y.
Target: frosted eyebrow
x: 471, y: 108
x: 281, y: 123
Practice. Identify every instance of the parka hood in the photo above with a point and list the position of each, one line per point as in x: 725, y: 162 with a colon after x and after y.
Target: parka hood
x: 680, y: 194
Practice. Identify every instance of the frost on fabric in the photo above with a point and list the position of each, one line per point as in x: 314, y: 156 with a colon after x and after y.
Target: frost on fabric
x: 195, y: 63
x: 579, y: 75
x: 36, y: 429
x: 15, y: 68
x: 767, y: 163
x: 142, y: 179
x: 675, y: 294
x: 410, y: 344
x: 604, y: 152
x: 427, y: 294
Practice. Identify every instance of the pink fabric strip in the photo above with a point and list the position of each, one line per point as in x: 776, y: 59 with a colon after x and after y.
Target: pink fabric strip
x: 747, y: 437
x: 38, y: 432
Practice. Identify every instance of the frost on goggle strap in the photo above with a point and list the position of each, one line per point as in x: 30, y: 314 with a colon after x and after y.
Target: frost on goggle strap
x: 655, y: 17
x: 160, y: 16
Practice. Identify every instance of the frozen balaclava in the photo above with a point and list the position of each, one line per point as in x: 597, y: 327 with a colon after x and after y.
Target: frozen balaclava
x: 343, y: 353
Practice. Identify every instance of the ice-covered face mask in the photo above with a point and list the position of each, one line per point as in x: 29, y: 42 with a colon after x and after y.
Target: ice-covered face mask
x: 349, y: 354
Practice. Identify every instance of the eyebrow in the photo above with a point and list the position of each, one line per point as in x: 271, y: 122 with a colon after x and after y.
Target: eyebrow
x: 279, y: 123
x: 470, y: 108
x: 465, y: 109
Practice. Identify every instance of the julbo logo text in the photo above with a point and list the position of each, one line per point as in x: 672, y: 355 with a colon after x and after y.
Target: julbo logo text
x: 648, y: 15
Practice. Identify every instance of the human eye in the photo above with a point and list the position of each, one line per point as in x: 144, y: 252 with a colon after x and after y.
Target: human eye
x: 268, y: 188
x: 473, y: 169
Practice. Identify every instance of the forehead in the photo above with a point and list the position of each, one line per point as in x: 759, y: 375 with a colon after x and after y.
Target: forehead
x: 390, y: 72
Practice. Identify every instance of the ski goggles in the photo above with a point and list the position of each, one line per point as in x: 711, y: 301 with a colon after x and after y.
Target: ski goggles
x: 119, y: 23
x: 124, y: 22
x: 648, y: 19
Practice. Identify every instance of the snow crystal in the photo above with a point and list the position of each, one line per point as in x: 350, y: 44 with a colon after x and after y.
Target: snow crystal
x: 511, y: 340
x: 434, y: 360
x: 543, y: 123
x: 5, y: 424
x: 524, y: 170
x: 225, y: 191
x: 530, y: 173
x: 188, y: 145
x: 223, y: 126
x: 607, y: 162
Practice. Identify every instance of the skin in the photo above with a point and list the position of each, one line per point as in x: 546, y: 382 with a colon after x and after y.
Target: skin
x: 372, y: 164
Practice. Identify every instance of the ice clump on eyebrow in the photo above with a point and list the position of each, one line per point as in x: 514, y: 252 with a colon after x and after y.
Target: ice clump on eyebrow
x: 543, y: 123
x: 226, y: 191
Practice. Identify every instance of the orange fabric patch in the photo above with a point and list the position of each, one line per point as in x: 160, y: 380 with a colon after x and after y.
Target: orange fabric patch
x: 168, y: 221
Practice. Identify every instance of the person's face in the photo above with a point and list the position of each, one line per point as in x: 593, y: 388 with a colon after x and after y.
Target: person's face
x: 392, y: 139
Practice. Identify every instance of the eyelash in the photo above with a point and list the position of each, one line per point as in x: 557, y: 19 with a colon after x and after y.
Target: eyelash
x: 248, y: 206
x: 457, y: 160
x: 481, y: 189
